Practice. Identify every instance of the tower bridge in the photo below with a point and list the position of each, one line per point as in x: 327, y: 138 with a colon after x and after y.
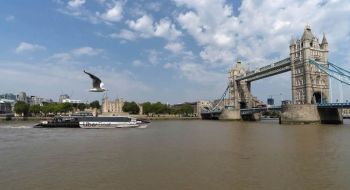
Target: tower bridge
x: 310, y: 74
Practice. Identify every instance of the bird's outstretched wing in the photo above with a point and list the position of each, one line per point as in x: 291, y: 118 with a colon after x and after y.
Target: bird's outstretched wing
x: 95, y: 80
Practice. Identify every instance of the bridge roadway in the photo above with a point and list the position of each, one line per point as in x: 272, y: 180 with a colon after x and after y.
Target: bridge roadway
x: 281, y: 66
x: 250, y: 111
x: 278, y: 108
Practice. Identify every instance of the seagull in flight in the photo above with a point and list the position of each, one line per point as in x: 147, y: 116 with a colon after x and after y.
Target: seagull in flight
x: 97, y: 85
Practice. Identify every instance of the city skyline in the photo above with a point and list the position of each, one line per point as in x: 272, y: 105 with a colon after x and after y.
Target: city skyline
x: 173, y: 51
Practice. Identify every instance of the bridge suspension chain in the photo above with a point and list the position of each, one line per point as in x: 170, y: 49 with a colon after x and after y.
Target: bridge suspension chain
x: 221, y: 99
x: 335, y: 72
x: 339, y: 68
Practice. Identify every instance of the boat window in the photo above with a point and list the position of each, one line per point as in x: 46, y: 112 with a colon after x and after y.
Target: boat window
x: 105, y: 119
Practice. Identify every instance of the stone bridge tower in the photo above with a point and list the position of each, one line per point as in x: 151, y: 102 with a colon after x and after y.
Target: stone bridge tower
x: 240, y: 90
x: 309, y: 84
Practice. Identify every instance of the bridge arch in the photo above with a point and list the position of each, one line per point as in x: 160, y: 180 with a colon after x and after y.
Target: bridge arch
x: 319, y: 97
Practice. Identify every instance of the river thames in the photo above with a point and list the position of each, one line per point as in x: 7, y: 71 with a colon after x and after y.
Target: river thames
x: 174, y: 155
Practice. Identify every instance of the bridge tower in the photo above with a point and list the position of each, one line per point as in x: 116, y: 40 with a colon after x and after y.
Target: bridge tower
x: 240, y: 96
x: 234, y: 87
x: 309, y: 84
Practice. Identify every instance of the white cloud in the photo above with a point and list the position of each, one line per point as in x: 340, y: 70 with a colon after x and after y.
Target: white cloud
x: 113, y: 14
x: 143, y: 25
x: 113, y: 11
x: 153, y: 56
x: 74, y: 54
x: 209, y: 22
x: 138, y: 63
x: 89, y: 51
x: 75, y: 3
x: 199, y: 74
x: 262, y: 29
x: 124, y: 34
x: 28, y: 47
x: 164, y: 28
x: 146, y: 28
x: 217, y: 56
x: 154, y: 6
x: 175, y: 47
x: 10, y: 18
x: 170, y: 66
x: 63, y: 57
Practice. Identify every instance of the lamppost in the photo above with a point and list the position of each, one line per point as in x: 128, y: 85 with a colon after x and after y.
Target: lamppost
x: 281, y: 94
x: 321, y: 86
x: 319, y: 81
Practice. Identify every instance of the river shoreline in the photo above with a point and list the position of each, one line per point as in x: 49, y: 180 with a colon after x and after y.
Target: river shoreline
x: 161, y: 117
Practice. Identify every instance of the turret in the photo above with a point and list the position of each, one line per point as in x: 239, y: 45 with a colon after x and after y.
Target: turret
x: 324, y: 44
x: 307, y: 37
x: 292, y: 45
x: 292, y: 41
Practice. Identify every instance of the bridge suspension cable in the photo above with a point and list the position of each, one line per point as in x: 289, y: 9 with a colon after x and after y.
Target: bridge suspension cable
x: 334, y: 71
x: 221, y: 99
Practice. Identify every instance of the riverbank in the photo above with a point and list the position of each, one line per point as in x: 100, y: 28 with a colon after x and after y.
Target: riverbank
x: 24, y: 118
x: 160, y: 117
x: 165, y: 117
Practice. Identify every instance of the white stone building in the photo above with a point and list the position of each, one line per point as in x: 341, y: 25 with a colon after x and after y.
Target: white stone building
x: 110, y: 107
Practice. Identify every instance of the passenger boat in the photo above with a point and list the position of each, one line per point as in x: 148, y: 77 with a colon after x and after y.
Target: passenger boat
x: 88, y: 122
x: 109, y: 122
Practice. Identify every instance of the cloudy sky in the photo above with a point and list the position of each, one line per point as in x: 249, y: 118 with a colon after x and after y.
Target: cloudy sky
x: 170, y: 51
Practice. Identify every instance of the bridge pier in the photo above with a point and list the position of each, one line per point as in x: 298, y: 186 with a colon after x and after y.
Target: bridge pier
x: 230, y: 114
x: 299, y: 114
x: 252, y: 117
x: 309, y: 113
x: 330, y: 115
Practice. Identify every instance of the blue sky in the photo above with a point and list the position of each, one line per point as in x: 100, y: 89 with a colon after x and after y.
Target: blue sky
x: 170, y: 51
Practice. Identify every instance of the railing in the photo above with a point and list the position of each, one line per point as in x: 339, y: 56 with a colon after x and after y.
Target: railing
x: 333, y: 105
x: 257, y: 110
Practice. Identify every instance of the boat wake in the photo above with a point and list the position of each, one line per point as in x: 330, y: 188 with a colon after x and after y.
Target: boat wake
x: 142, y: 127
x: 17, y: 127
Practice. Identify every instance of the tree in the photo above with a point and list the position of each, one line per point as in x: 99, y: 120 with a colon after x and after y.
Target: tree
x: 160, y: 108
x: 21, y: 108
x: 50, y: 108
x: 157, y: 108
x: 66, y: 107
x: 186, y: 109
x: 95, y: 104
x: 131, y: 107
x: 81, y: 106
x: 147, y: 107
x: 34, y: 109
x: 45, y: 109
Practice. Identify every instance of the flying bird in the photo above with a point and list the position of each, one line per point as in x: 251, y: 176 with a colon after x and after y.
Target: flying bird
x: 97, y: 85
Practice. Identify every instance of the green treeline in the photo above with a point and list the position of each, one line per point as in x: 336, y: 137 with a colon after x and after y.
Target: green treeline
x: 25, y: 109
x: 157, y: 108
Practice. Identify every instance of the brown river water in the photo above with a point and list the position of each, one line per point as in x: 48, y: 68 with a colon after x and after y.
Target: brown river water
x: 176, y: 155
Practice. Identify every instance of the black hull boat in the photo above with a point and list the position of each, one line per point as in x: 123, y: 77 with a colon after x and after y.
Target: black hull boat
x: 60, y: 122
x: 93, y: 122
